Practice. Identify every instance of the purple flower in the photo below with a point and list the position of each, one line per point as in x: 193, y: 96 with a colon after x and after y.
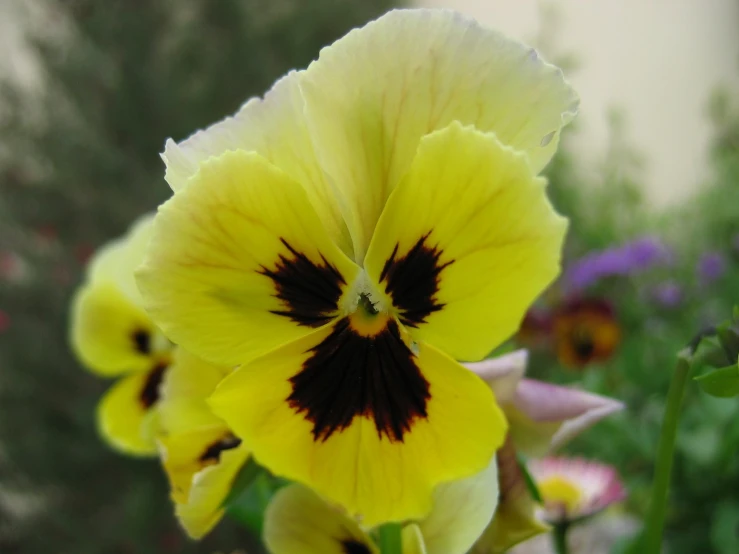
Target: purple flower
x: 668, y: 294
x: 711, y: 267
x: 629, y: 258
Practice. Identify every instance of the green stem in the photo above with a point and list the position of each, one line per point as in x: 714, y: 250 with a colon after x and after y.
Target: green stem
x: 390, y: 539
x: 655, y: 520
x: 559, y: 536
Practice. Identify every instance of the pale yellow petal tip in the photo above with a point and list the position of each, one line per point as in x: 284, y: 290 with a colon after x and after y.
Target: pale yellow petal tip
x: 210, y: 487
x: 195, y: 523
x: 462, y: 511
x: 298, y: 521
x: 116, y: 260
x: 242, y: 131
x: 412, y: 540
x: 554, y: 103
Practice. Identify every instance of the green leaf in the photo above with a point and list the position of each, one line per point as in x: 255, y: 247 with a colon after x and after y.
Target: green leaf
x: 251, y: 505
x: 530, y: 483
x: 246, y: 476
x: 390, y: 538
x: 723, y: 383
x: 729, y: 341
x: 710, y: 352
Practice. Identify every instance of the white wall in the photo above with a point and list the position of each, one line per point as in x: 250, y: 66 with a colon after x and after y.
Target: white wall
x: 657, y: 59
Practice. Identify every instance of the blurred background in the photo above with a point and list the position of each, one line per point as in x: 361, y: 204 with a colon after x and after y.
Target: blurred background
x: 89, y: 91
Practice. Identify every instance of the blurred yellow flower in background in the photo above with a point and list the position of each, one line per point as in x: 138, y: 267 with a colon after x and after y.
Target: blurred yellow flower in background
x: 160, y: 397
x: 113, y: 336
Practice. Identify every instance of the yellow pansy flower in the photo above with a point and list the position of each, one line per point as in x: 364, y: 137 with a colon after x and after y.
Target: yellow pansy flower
x: 113, y: 336
x: 298, y: 521
x: 200, y: 454
x: 345, y: 239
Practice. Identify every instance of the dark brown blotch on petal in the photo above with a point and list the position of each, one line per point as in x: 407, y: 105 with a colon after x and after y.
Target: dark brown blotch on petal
x: 150, y: 392
x: 213, y: 452
x: 352, y: 546
x: 412, y: 281
x: 310, y: 292
x: 142, y: 341
x: 349, y: 375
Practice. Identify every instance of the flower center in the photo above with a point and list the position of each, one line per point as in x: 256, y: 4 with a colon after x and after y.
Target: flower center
x: 560, y: 494
x: 364, y: 366
x: 367, y: 320
x: 366, y: 305
x: 583, y: 343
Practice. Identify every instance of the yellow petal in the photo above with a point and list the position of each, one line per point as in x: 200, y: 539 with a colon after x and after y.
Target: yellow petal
x: 362, y: 419
x: 462, y: 510
x: 466, y: 242
x: 373, y: 94
x: 110, y: 334
x: 413, y: 540
x: 116, y: 261
x: 187, y: 384
x: 191, y: 377
x: 298, y: 521
x: 210, y: 488
x: 273, y: 127
x: 127, y: 415
x: 240, y: 263
x: 186, y: 453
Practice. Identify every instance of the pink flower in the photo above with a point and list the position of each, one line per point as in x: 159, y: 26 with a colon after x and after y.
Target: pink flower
x: 13, y: 268
x: 542, y: 417
x: 574, y: 488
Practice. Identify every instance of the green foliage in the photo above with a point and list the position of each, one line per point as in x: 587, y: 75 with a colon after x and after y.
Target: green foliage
x: 389, y: 538
x: 713, y: 352
x: 250, y: 505
x: 703, y: 515
x: 722, y: 382
x: 79, y: 161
